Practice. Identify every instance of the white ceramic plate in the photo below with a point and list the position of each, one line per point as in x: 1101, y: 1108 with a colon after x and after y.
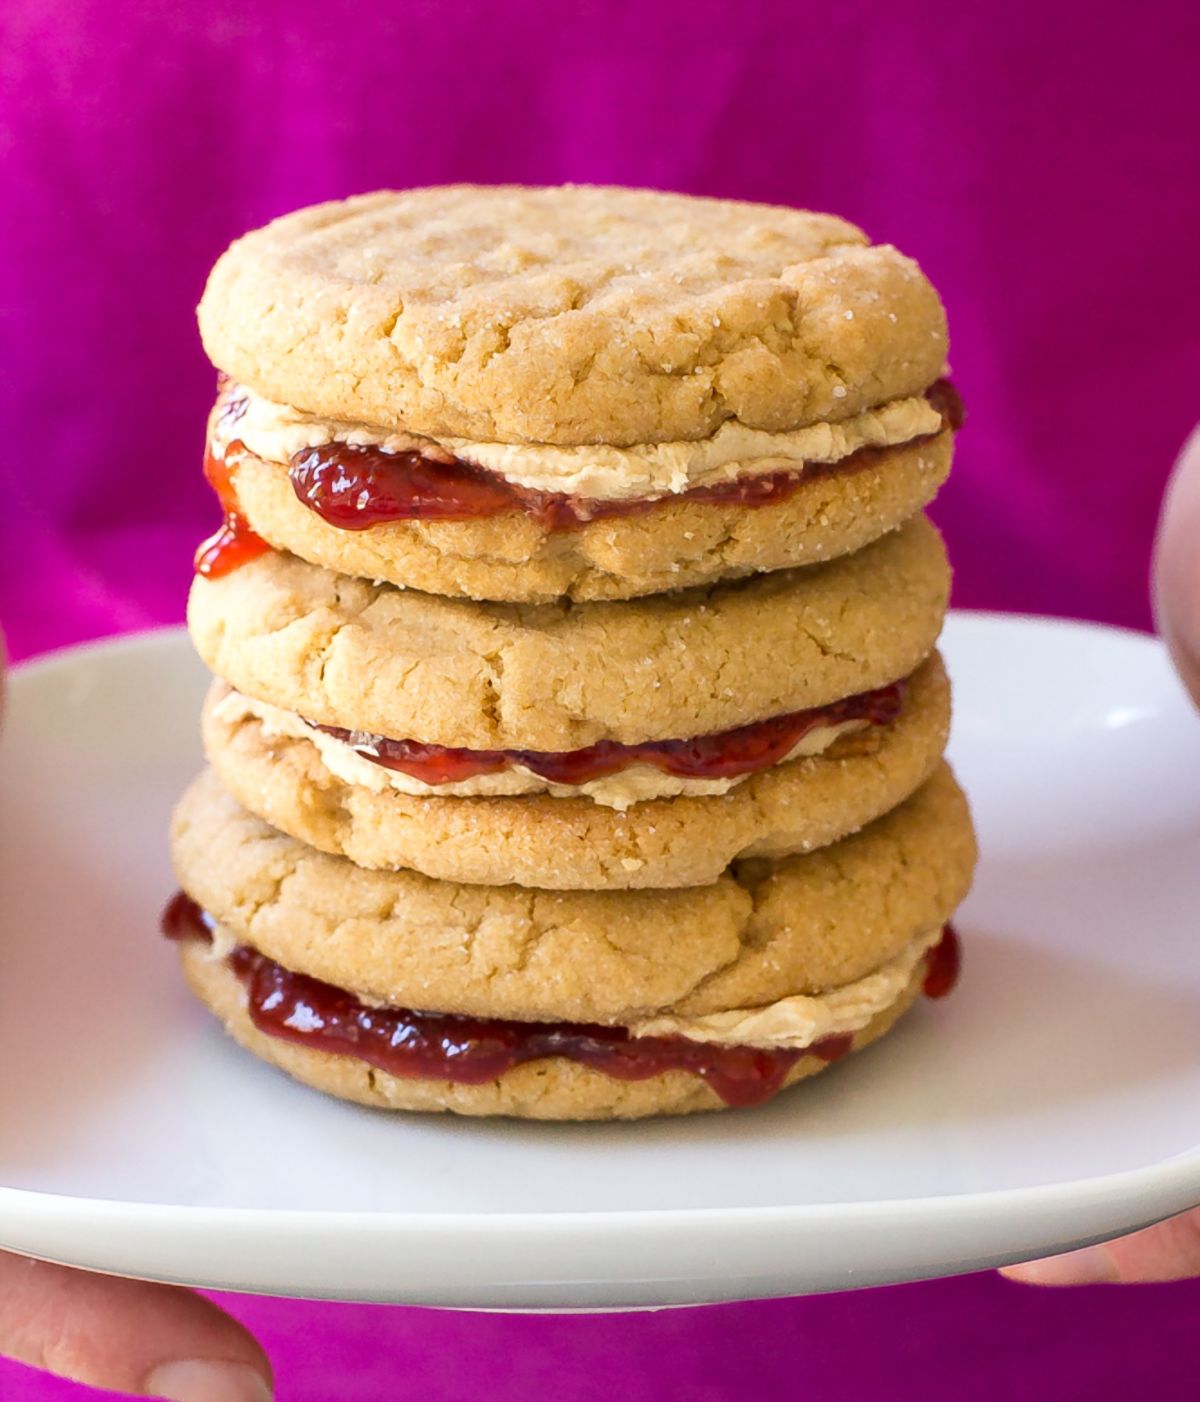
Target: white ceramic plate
x: 1054, y: 1099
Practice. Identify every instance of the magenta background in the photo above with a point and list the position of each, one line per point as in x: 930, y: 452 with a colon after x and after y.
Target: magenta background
x: 1041, y: 162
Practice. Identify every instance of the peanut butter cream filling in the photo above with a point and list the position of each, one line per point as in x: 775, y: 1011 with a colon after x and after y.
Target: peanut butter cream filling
x: 277, y: 432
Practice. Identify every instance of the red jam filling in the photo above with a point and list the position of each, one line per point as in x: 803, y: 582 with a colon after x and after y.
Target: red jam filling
x: 234, y: 543
x: 943, y: 964
x: 356, y: 487
x: 474, y: 1051
x: 728, y: 754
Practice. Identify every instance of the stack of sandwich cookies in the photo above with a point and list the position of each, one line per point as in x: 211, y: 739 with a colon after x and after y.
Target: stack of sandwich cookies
x: 577, y: 726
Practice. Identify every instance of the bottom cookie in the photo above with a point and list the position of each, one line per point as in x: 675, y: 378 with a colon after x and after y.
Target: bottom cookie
x: 552, y: 1087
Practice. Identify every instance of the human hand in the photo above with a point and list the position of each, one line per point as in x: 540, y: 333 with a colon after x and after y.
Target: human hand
x: 1177, y: 566
x: 1170, y: 1250
x: 149, y: 1340
x: 127, y: 1335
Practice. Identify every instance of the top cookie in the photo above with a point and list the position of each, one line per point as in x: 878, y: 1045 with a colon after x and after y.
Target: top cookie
x: 570, y: 315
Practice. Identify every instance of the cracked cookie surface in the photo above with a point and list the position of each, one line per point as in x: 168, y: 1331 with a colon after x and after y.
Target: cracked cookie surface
x: 570, y: 315
x: 362, y: 656
x: 764, y: 931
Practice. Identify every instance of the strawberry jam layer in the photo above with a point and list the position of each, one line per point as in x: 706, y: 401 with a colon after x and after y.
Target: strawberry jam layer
x: 475, y: 1051
x: 235, y: 543
x: 355, y: 487
x: 943, y: 964
x: 727, y: 754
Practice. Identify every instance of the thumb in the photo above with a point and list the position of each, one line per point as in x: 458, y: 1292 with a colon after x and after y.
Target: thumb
x: 1177, y: 566
x: 1168, y: 1251
x: 127, y: 1335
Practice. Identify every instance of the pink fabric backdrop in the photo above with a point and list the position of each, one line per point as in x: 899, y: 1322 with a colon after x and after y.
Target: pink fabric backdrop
x: 1041, y: 161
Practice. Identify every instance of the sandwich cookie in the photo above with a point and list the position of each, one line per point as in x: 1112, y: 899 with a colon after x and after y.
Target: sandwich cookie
x: 850, y: 727
x: 359, y: 656
x: 623, y: 393
x: 778, y: 795
x: 395, y: 990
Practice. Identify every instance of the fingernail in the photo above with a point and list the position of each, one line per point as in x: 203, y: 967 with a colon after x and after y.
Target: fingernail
x: 1091, y: 1265
x: 206, y: 1380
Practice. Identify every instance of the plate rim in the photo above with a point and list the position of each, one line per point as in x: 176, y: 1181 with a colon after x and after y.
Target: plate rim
x: 1070, y: 1191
